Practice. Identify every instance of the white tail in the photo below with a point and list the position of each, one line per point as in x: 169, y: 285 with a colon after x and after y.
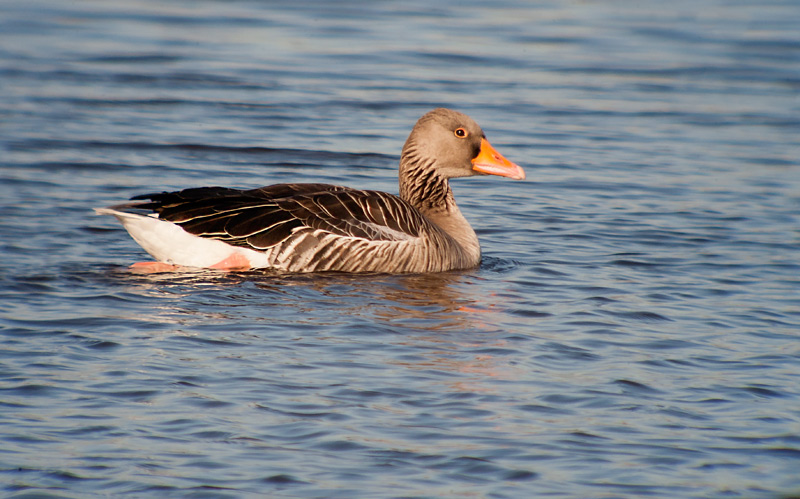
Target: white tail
x: 169, y: 243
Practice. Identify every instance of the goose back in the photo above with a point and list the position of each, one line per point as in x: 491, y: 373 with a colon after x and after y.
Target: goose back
x: 315, y: 227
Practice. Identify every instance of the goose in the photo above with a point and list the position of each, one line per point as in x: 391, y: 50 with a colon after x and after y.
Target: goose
x: 307, y: 227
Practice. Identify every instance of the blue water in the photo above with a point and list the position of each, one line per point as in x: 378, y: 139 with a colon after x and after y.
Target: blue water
x: 632, y: 331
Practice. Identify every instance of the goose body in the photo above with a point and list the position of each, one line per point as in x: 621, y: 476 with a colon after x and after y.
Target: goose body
x: 321, y: 227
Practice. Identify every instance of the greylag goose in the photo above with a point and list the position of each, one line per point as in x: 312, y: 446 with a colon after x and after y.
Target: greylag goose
x: 320, y: 227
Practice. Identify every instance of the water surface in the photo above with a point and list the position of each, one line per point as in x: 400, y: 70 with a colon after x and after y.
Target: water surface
x: 632, y: 330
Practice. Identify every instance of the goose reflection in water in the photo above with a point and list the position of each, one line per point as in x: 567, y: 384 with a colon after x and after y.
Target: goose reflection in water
x: 456, y: 328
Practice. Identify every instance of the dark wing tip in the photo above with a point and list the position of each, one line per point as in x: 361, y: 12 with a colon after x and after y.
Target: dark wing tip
x: 150, y: 196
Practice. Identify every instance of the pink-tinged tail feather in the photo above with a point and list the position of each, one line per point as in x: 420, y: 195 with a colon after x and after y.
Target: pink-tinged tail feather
x: 169, y: 243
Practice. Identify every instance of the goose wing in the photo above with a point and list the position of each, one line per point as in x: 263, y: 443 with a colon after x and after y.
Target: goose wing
x: 265, y: 217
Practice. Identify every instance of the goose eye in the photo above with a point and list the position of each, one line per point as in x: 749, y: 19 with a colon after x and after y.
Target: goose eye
x: 460, y: 132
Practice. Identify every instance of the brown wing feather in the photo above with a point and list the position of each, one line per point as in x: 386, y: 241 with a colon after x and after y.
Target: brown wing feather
x: 264, y: 217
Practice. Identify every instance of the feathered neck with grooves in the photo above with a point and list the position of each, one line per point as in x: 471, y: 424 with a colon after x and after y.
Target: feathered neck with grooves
x: 422, y: 186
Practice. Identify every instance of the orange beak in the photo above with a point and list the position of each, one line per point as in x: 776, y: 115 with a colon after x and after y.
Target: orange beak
x: 491, y: 162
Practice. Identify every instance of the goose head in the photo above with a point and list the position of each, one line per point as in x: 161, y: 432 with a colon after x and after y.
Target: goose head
x: 448, y: 144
